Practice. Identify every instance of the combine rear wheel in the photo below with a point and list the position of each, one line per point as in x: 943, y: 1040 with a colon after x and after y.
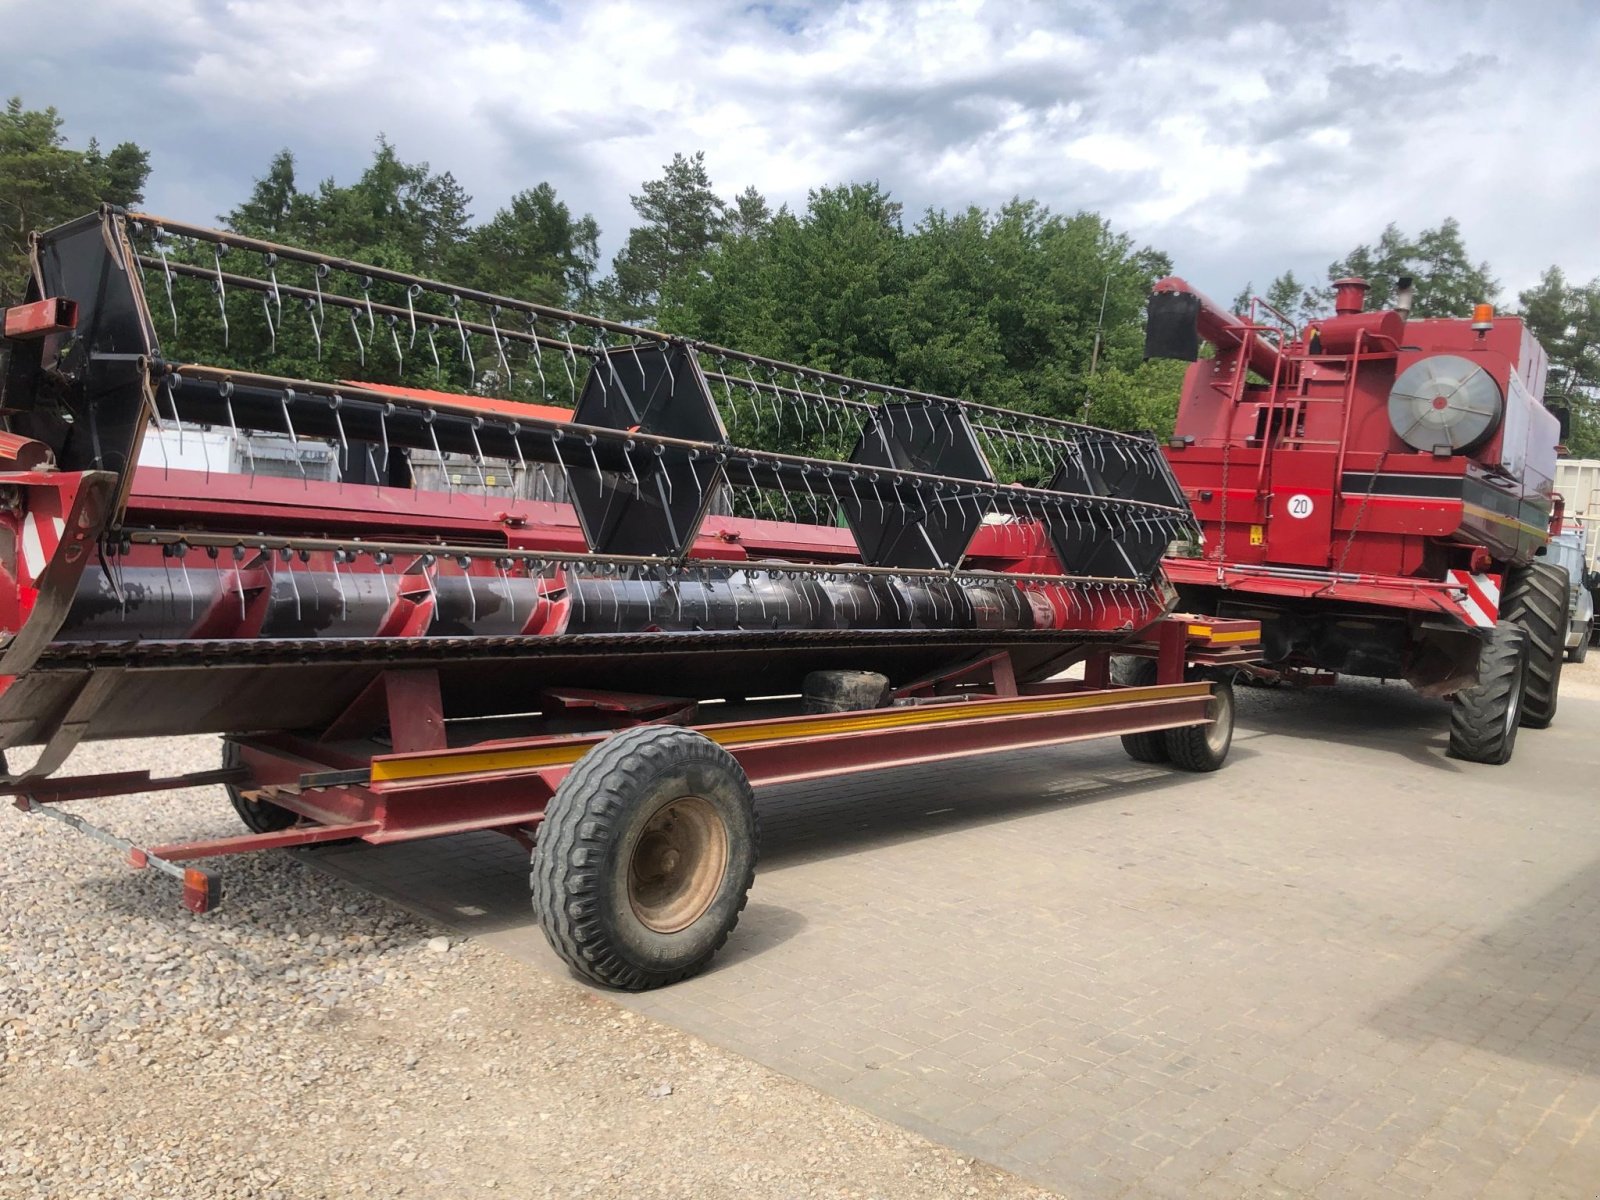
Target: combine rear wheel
x: 1581, y: 651
x: 645, y: 857
x: 1141, y: 747
x: 1484, y: 717
x: 1536, y: 599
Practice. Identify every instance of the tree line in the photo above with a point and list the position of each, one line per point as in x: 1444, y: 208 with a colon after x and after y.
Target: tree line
x: 1018, y: 305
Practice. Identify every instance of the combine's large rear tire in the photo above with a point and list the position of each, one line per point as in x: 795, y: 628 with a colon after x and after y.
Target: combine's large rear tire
x: 1484, y: 717
x: 1141, y: 747
x: 1536, y: 599
x: 1205, y: 747
x: 645, y: 857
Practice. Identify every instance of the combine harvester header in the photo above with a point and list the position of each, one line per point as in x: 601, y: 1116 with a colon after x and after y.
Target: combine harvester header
x: 721, y: 527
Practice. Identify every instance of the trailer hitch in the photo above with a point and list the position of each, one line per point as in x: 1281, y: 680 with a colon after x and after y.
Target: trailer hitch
x: 202, y: 890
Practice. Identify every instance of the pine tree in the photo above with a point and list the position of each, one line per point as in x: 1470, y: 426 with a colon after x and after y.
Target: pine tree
x: 43, y: 183
x: 683, y: 219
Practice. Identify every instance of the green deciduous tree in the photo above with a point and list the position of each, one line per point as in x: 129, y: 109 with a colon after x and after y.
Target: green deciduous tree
x: 405, y: 217
x: 1294, y: 299
x: 1001, y: 307
x: 535, y: 249
x: 1565, y: 317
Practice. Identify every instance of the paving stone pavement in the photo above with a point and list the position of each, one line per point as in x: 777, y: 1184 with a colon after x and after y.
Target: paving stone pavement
x: 1345, y: 965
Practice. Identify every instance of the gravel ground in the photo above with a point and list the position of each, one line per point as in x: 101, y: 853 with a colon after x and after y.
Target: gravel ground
x: 308, y: 1040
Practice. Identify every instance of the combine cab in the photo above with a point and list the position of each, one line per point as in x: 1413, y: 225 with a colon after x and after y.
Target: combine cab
x: 1376, y: 491
x: 590, y: 621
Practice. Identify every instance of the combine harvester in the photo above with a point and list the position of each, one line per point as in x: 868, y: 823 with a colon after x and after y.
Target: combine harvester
x: 752, y: 573
x: 1378, y: 492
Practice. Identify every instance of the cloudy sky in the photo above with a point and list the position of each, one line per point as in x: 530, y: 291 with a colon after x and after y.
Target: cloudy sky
x: 1241, y: 138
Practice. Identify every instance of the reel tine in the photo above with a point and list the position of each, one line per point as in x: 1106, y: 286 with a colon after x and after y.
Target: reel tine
x: 499, y: 343
x: 355, y: 331
x: 412, y: 292
x: 466, y: 343
x: 166, y: 274
x: 394, y: 335
x: 218, y: 249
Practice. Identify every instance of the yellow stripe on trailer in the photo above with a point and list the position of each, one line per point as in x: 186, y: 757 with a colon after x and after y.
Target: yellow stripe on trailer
x: 1210, y: 634
x: 732, y: 736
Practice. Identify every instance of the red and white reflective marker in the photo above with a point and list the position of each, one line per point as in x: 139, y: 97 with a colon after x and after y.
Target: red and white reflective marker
x: 1482, y: 601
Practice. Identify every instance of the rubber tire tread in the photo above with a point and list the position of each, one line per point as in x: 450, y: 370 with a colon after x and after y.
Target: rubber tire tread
x: 591, y: 794
x: 259, y: 816
x: 1536, y: 599
x: 1148, y: 747
x: 1478, y: 713
x: 1187, y: 746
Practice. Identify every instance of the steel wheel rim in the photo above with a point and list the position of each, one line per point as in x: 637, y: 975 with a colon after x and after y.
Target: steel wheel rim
x: 1514, y: 706
x: 1218, y: 732
x: 678, y: 863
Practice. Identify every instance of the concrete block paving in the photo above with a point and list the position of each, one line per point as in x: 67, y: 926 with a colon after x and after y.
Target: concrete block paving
x: 1345, y: 965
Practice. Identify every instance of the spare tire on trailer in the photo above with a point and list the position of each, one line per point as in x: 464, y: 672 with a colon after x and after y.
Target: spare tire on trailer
x: 1484, y: 717
x: 1535, y: 598
x: 645, y: 857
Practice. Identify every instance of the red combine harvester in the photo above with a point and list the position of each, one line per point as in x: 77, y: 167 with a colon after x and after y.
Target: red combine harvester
x: 710, y: 570
x: 1376, y: 491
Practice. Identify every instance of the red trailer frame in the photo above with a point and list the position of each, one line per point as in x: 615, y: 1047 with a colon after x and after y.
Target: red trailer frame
x: 341, y: 784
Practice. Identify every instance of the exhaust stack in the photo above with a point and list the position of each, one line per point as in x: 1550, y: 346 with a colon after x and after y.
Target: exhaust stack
x: 1405, y: 296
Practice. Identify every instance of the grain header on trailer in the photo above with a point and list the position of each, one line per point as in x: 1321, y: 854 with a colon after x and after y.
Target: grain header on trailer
x: 1376, y: 490
x: 715, y: 570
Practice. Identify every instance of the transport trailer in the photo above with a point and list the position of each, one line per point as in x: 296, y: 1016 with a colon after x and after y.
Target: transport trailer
x: 640, y: 815
x: 712, y: 572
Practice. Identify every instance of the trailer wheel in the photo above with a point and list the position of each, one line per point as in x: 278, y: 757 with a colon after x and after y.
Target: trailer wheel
x: 1536, y: 599
x: 259, y: 816
x: 1484, y: 717
x: 645, y: 857
x: 1205, y: 747
x: 1148, y: 747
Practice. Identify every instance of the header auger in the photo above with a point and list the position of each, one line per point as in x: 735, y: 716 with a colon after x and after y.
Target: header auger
x: 601, y: 527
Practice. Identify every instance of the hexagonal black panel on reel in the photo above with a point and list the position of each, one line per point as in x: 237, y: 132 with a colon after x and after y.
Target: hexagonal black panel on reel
x: 926, y: 524
x: 636, y: 498
x: 1097, y: 539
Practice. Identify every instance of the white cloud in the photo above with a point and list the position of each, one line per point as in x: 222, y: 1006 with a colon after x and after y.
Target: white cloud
x: 1240, y: 138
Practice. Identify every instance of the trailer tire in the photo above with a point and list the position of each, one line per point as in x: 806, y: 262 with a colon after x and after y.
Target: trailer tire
x: 1148, y: 747
x: 1484, y: 717
x: 645, y: 857
x: 1536, y: 599
x: 1205, y: 747
x: 259, y: 816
